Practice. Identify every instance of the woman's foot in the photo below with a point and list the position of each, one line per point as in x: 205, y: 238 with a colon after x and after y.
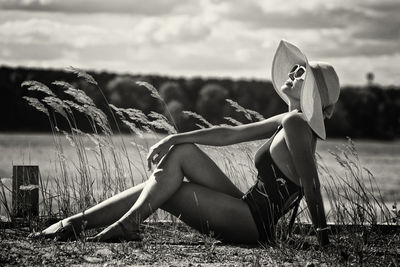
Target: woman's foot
x: 117, y: 232
x: 61, y: 231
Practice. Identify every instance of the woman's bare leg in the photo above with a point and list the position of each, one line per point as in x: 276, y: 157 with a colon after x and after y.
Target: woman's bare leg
x: 201, y: 169
x: 165, y: 181
x: 109, y: 210
x: 206, y: 210
x: 102, y: 214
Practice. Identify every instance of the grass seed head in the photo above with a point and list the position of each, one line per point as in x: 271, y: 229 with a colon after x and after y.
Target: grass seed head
x: 80, y: 96
x: 38, y: 86
x: 82, y: 74
x: 153, y: 91
x: 198, y: 117
x: 36, y: 104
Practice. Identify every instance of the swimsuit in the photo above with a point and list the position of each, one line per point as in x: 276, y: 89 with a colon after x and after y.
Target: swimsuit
x: 271, y: 193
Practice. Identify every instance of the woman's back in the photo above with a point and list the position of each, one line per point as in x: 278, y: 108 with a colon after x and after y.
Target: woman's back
x: 281, y: 155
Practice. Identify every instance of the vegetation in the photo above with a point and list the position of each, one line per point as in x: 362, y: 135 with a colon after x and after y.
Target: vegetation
x: 357, y: 108
x: 105, y: 167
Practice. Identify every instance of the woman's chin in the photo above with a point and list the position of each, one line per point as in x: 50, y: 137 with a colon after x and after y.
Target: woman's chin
x: 285, y: 88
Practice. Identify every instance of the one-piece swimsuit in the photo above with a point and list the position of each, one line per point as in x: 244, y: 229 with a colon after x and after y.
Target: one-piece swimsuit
x: 268, y: 198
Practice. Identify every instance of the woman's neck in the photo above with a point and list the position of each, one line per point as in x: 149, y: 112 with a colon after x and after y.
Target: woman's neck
x: 294, y: 105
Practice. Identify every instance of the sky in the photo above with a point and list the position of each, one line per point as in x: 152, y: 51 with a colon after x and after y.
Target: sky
x: 209, y: 38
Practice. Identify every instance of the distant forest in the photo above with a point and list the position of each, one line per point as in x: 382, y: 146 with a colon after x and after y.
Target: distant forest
x: 362, y: 112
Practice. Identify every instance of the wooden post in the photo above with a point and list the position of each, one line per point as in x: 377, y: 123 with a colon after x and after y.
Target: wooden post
x: 25, y: 193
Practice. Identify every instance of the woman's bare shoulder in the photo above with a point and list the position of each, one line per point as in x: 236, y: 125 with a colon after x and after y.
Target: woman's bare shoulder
x: 294, y: 119
x: 296, y: 123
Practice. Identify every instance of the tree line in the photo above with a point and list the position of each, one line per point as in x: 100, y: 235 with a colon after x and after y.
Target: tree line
x: 367, y: 111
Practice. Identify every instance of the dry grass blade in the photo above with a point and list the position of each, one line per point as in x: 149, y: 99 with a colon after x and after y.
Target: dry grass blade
x: 38, y: 86
x: 75, y: 106
x: 3, y: 199
x: 233, y: 121
x: 161, y: 122
x: 57, y: 105
x: 82, y: 74
x: 257, y: 115
x: 351, y: 199
x: 157, y: 116
x: 133, y: 128
x: 153, y: 91
x: 248, y: 113
x: 239, y: 108
x: 199, y: 117
x: 116, y: 110
x: 36, y: 104
x: 136, y: 115
x: 79, y: 95
x: 99, y: 117
x: 63, y: 84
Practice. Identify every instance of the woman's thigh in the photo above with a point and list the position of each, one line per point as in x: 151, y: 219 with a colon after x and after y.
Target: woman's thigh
x: 200, y: 169
x: 210, y: 211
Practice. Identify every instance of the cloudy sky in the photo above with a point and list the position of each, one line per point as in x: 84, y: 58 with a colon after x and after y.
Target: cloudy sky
x: 202, y: 37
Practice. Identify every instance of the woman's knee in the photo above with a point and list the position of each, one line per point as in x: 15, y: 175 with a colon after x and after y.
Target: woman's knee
x: 183, y: 150
x: 177, y: 155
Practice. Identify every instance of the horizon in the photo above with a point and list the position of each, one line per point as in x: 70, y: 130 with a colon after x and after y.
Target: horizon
x: 209, y: 38
x: 205, y: 77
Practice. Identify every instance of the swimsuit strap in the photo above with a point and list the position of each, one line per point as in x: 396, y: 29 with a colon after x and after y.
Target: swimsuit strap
x: 277, y: 130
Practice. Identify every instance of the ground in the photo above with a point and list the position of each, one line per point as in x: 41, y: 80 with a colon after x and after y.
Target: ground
x: 177, y: 245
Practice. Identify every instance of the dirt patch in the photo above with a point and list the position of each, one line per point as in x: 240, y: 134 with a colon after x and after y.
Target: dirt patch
x: 178, y: 245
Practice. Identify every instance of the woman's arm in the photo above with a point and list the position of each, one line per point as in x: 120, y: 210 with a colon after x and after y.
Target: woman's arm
x: 216, y: 136
x: 226, y: 135
x: 299, y: 139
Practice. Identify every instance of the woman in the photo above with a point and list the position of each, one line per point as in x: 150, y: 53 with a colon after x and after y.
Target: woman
x: 209, y: 201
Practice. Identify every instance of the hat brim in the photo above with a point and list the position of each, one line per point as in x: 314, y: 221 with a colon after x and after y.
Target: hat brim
x: 286, y: 56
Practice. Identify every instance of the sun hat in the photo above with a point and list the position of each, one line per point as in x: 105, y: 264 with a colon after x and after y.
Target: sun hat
x: 320, y: 90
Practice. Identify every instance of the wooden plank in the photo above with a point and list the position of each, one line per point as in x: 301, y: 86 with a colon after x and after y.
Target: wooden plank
x: 25, y: 191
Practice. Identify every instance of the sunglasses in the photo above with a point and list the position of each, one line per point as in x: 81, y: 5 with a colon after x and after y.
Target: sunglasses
x: 297, y: 72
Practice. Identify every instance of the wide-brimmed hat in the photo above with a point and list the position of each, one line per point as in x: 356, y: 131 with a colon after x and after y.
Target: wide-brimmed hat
x: 320, y: 90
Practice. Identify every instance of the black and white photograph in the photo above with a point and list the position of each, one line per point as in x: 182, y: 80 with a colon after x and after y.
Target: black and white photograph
x: 199, y: 133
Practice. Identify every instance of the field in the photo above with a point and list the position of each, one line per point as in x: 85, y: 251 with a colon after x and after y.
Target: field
x: 359, y: 184
x: 380, y: 158
x: 178, y: 245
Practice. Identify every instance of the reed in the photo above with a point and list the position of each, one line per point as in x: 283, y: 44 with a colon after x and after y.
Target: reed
x: 103, y: 167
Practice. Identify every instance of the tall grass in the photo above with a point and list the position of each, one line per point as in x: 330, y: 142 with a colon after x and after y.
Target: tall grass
x: 104, y: 167
x: 354, y: 195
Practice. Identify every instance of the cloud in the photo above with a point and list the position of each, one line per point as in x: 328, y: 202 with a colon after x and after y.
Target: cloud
x: 255, y: 15
x: 381, y: 23
x: 181, y: 29
x: 150, y: 8
x: 44, y: 31
x: 23, y: 52
x: 377, y: 20
x: 382, y: 7
x: 208, y: 37
x: 379, y: 29
x: 327, y: 30
x: 134, y: 32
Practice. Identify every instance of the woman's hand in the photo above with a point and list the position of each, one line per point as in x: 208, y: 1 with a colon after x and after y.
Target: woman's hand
x: 159, y: 150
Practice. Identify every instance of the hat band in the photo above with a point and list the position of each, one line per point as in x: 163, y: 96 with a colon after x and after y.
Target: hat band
x: 322, y: 87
